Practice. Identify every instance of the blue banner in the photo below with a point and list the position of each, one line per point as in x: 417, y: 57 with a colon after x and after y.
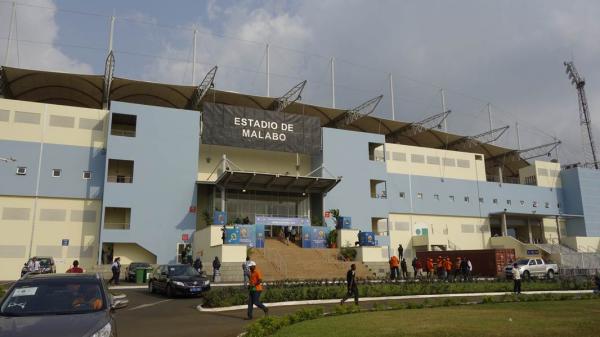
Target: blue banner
x: 219, y: 218
x: 232, y: 235
x: 280, y: 221
x: 367, y: 239
x: 314, y: 237
x: 252, y: 235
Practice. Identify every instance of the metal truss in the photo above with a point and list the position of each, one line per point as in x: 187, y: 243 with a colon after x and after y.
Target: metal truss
x: 200, y: 91
x: 352, y: 115
x: 293, y: 95
x: 482, y: 138
x: 109, y: 70
x: 416, y: 128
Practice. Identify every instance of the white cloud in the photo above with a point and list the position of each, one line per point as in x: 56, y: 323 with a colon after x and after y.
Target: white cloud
x: 35, y: 24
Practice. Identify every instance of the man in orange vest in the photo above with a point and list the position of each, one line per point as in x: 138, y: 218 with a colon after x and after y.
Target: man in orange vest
x: 448, y: 267
x: 255, y: 290
x: 394, y: 264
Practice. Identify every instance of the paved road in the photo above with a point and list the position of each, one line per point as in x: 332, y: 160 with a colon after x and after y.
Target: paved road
x: 152, y: 315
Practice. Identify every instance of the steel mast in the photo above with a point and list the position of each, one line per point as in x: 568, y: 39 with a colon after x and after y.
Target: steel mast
x: 584, y: 113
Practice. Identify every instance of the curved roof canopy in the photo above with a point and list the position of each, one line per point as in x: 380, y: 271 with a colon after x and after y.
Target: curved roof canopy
x: 87, y: 91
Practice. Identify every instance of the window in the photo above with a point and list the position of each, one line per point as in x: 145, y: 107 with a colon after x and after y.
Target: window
x: 543, y: 172
x: 123, y: 125
x: 87, y: 174
x: 21, y: 170
x: 449, y: 162
x: 419, y: 195
x: 56, y: 173
x: 436, y: 196
x: 522, y: 202
x: 467, y: 199
x: 417, y: 158
x: 478, y: 157
x: 481, y: 200
x: 547, y: 204
x: 463, y: 163
x: 508, y: 202
x: 451, y: 198
x: 398, y: 156
x: 433, y: 160
x: 495, y: 201
x: 402, y: 195
x: 120, y: 171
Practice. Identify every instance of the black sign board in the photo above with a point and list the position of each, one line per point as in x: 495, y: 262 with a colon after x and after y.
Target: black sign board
x: 260, y: 129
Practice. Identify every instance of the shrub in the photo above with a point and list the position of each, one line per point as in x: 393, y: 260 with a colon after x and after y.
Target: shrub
x: 348, y: 253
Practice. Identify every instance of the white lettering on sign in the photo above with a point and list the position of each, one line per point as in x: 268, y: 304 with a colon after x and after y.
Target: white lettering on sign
x: 268, y: 129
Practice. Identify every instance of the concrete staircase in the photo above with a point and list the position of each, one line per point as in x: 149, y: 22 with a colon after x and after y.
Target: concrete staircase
x: 378, y: 269
x: 278, y: 261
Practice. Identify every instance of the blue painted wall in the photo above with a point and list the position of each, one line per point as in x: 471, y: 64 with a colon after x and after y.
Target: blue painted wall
x: 165, y: 155
x: 345, y: 153
x: 72, y: 160
x: 581, y: 193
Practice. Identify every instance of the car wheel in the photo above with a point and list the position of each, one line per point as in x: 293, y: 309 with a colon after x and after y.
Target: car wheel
x: 169, y: 291
x: 526, y: 275
x: 151, y: 287
x: 550, y: 274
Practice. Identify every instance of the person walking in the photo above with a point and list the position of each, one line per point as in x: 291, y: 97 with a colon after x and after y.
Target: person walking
x: 33, y: 266
x: 254, y: 290
x: 419, y: 268
x: 429, y: 266
x: 470, y: 270
x: 293, y: 234
x: 597, y: 283
x: 464, y: 270
x: 447, y: 269
x: 440, y: 268
x: 116, y: 271
x: 197, y: 264
x: 516, y: 279
x: 287, y: 231
x: 246, y: 270
x: 414, y: 266
x: 457, y: 263
x: 404, y: 269
x: 352, y: 285
x: 400, y: 251
x: 216, y: 268
x: 394, y: 267
x: 75, y: 269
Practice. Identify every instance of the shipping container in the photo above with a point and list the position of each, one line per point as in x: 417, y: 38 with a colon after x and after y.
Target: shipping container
x: 486, y: 262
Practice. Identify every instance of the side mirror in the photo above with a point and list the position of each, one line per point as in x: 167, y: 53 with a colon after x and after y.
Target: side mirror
x: 119, y: 301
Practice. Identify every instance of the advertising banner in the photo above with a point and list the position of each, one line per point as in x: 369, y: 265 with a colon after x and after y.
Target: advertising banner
x: 232, y: 235
x: 252, y: 235
x: 367, y: 239
x: 260, y: 129
x: 314, y: 236
x: 219, y: 218
x: 281, y: 221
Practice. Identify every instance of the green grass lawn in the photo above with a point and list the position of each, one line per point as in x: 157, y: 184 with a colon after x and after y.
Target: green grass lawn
x: 547, y: 318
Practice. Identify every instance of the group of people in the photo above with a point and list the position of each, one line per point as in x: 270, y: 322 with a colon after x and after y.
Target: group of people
x: 444, y: 269
x: 288, y: 234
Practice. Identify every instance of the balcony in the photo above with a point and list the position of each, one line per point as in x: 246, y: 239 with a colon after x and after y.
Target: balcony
x: 117, y: 218
x: 123, y: 125
x: 378, y: 189
x: 120, y: 171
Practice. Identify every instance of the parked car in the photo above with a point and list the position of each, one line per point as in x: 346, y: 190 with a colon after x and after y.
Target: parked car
x: 46, y: 265
x: 132, y: 267
x: 178, y: 279
x: 60, y: 305
x: 533, y: 268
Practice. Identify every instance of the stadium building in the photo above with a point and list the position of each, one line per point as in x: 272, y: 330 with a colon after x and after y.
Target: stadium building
x: 100, y: 166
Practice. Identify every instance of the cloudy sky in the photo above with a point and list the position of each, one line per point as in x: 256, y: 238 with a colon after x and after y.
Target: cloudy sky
x: 508, y: 53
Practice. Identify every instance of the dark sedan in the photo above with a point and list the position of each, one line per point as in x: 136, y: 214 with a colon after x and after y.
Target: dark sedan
x: 61, y: 305
x: 178, y: 279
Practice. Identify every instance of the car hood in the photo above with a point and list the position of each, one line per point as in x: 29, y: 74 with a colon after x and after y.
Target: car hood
x: 54, y: 325
x: 188, y: 278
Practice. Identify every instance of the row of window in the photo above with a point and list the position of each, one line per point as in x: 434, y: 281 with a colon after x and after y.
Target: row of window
x: 49, y: 214
x: 55, y: 120
x: 431, y: 160
x: 542, y: 172
x: 467, y: 199
x: 55, y: 173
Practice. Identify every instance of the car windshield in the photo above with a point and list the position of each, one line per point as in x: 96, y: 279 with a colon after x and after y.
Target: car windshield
x: 182, y: 270
x: 53, y: 297
x: 522, y: 262
x: 45, y: 262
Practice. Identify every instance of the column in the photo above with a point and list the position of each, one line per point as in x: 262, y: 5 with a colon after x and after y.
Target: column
x: 557, y: 229
x: 529, y: 230
x: 504, y: 227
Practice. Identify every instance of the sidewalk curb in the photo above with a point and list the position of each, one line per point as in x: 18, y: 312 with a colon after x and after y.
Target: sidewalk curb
x: 387, y: 298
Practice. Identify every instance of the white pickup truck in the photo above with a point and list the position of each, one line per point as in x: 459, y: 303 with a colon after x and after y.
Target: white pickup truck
x: 533, y: 268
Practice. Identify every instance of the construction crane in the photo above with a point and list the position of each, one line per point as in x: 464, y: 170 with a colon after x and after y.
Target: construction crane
x: 589, y: 149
